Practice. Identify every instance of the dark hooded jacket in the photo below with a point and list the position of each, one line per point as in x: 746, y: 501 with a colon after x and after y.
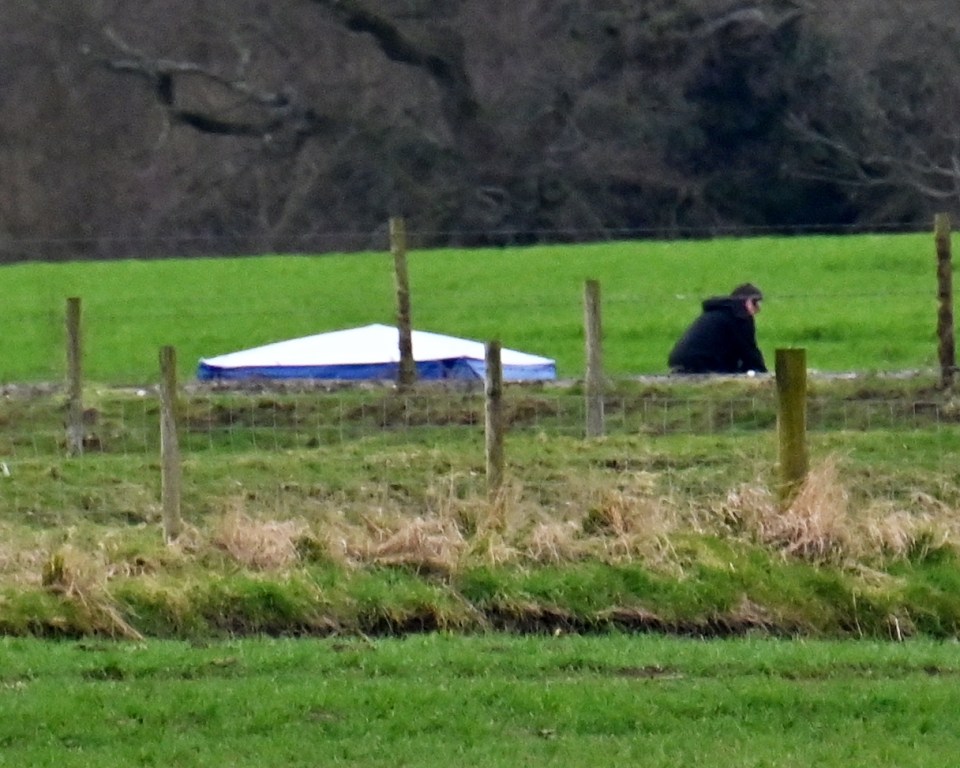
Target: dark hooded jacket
x: 722, y: 340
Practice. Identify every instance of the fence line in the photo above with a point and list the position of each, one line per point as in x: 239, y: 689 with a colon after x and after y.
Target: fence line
x: 360, y: 449
x: 240, y: 422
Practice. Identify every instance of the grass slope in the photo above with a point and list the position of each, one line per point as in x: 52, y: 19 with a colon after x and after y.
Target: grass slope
x: 363, y: 511
x: 864, y: 302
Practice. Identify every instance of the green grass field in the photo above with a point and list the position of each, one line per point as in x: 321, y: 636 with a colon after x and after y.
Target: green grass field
x: 438, y: 700
x: 285, y: 494
x: 417, y: 621
x: 863, y: 303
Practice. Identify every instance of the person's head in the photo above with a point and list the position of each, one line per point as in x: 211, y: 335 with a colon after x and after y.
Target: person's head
x: 751, y: 296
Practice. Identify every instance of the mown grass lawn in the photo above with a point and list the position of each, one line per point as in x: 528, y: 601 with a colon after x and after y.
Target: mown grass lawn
x: 439, y: 700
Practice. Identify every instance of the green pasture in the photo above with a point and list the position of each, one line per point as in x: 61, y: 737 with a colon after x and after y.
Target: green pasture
x: 859, y: 302
x: 438, y: 700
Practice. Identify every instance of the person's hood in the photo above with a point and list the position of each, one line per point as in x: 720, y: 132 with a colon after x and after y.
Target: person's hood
x: 734, y: 306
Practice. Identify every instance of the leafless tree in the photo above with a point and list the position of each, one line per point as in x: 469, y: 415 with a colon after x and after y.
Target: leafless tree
x: 888, y: 125
x: 222, y: 126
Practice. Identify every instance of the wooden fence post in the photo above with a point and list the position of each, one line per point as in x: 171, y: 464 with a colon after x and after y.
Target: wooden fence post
x: 74, y: 379
x: 946, y: 350
x: 170, y: 467
x: 791, y: 374
x: 494, y: 419
x: 407, y: 374
x: 593, y: 329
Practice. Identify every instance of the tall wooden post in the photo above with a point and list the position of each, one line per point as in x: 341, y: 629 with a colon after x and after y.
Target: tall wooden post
x: 791, y: 373
x: 169, y: 446
x: 74, y: 379
x: 946, y: 350
x: 593, y: 330
x: 494, y: 418
x: 407, y: 374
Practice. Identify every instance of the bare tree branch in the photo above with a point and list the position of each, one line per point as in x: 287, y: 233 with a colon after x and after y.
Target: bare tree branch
x: 439, y: 54
x: 912, y: 167
x: 273, y: 111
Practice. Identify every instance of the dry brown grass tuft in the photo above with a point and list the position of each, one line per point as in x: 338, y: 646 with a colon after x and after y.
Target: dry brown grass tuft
x: 827, y: 529
x: 816, y: 525
x: 613, y: 524
x: 745, y: 510
x: 610, y: 514
x: 902, y: 535
x: 260, y: 545
x: 750, y: 615
x: 21, y: 560
x: 554, y: 542
x: 630, y: 523
x: 506, y: 510
x: 81, y: 579
x: 429, y: 544
x: 492, y: 548
x: 190, y: 541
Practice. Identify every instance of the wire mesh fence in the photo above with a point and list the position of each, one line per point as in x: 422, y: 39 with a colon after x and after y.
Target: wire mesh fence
x: 126, y: 421
x: 287, y: 452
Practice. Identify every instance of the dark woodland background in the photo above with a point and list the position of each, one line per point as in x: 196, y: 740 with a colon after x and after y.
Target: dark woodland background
x: 189, y: 127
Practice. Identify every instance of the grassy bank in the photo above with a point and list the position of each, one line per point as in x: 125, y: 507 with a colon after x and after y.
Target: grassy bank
x: 362, y: 511
x: 481, y: 701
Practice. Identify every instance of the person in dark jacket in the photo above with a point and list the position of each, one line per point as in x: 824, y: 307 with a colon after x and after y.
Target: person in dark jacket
x: 724, y: 338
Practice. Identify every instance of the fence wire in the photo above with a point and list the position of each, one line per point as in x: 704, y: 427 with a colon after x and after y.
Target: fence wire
x: 422, y: 452
x: 128, y: 425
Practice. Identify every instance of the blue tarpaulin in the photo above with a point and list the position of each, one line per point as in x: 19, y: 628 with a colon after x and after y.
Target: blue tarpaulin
x: 371, y: 352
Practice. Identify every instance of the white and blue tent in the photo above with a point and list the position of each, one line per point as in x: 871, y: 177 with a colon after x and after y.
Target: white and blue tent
x: 371, y: 352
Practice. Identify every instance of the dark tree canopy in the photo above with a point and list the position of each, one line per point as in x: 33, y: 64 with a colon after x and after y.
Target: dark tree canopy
x: 168, y: 127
